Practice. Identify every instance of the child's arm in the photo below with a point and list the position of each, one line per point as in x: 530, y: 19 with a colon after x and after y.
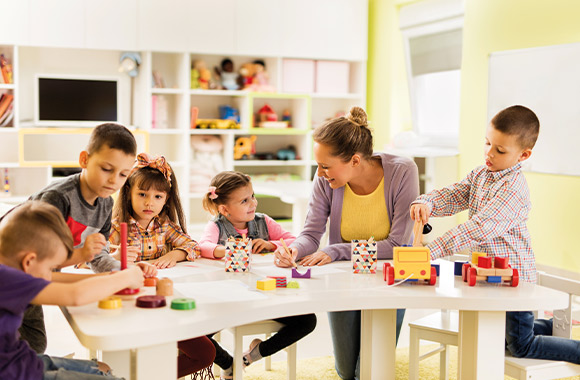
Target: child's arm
x: 103, y: 261
x: 507, y: 209
x: 276, y: 232
x: 180, y: 241
x: 89, y: 289
x: 208, y: 242
x: 447, y: 201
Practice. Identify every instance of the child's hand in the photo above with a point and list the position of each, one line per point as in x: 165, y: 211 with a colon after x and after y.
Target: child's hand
x: 134, y: 276
x: 94, y: 244
x: 420, y: 211
x: 148, y: 269
x: 284, y: 260
x: 169, y: 259
x: 259, y: 245
x: 219, y: 252
x: 132, y: 253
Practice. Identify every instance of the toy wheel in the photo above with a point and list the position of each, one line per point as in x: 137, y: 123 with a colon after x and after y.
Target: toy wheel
x: 390, y: 275
x: 515, y: 278
x: 464, y: 270
x: 433, y: 278
x: 471, y: 276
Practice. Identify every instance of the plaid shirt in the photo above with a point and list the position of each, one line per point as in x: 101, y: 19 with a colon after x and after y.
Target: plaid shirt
x: 160, y: 237
x: 498, y: 203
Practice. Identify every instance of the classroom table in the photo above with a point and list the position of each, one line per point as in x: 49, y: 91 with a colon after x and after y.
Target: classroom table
x: 141, y: 343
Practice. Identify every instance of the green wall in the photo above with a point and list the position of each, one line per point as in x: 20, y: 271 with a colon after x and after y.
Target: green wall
x: 490, y: 25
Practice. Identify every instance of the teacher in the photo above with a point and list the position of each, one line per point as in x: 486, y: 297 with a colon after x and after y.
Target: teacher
x: 364, y: 194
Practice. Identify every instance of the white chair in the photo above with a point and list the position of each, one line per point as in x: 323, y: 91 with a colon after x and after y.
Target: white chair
x: 442, y: 327
x: 267, y: 328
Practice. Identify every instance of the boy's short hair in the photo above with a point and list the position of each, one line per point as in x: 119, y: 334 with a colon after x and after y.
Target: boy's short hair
x: 33, y: 226
x: 519, y: 121
x: 115, y: 136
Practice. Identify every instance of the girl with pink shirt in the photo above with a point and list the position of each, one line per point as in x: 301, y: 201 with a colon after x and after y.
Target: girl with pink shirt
x: 230, y: 198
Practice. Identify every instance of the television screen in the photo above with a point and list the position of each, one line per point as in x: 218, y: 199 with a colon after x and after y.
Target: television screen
x: 77, y: 100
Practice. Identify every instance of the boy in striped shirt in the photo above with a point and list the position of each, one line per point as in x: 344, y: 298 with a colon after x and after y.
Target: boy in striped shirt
x: 498, y: 199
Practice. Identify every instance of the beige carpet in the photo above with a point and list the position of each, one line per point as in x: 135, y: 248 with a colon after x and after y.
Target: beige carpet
x: 322, y: 368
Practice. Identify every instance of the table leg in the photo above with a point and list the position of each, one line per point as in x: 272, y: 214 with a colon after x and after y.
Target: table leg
x: 481, y: 346
x: 146, y: 363
x: 378, y: 344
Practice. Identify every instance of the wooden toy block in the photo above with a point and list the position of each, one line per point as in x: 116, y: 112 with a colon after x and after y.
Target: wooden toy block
x: 110, y: 303
x: 484, y: 262
x: 364, y: 256
x: 485, y: 271
x: 238, y: 256
x: 494, y: 279
x: 296, y: 274
x: 476, y: 255
x: 165, y: 287
x: 266, y: 284
x: 457, y: 269
x: 183, y: 304
x: 280, y: 281
x: 293, y: 285
x: 436, y: 266
x: 503, y: 272
x: 150, y: 302
x: 501, y: 262
x: 127, y: 292
x: 151, y: 281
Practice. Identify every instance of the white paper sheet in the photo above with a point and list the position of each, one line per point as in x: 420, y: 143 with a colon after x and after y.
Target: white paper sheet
x: 186, y: 269
x: 218, y: 291
x: 272, y: 270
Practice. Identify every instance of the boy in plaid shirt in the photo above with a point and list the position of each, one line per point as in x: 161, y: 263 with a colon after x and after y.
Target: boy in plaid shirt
x: 497, y: 197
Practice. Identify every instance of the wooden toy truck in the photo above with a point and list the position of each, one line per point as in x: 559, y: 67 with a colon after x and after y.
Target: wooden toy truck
x: 410, y: 264
x: 491, y: 269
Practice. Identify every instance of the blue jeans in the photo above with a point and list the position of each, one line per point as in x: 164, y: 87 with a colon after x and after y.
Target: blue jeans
x: 72, y: 369
x: 529, y: 338
x: 345, y: 331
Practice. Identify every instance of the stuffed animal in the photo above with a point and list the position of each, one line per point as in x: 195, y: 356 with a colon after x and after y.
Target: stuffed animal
x: 206, y: 161
x: 247, y: 72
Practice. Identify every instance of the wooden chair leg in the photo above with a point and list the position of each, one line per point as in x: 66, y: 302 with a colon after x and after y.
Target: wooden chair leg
x: 444, y: 363
x: 238, y: 355
x: 268, y: 359
x: 414, y: 355
x: 291, y: 358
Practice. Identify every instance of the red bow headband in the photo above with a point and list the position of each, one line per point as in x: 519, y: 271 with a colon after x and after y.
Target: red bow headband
x: 157, y: 162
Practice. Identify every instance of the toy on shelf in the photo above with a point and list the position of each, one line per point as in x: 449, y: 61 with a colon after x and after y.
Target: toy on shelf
x: 206, y: 161
x: 364, y: 256
x: 227, y: 76
x: 254, y: 77
x: 411, y: 263
x: 494, y: 270
x: 164, y: 287
x: 245, y: 148
x: 287, y: 154
x: 238, y: 255
x: 216, y: 124
x: 266, y: 284
x: 158, y: 81
x: 266, y: 117
x: 296, y: 274
x: 5, y: 183
x: 201, y: 76
x: 229, y: 113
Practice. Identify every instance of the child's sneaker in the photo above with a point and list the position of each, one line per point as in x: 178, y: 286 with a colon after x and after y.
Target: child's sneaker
x: 253, y: 353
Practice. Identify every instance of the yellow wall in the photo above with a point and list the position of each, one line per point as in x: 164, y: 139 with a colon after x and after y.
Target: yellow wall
x: 388, y: 103
x: 495, y: 25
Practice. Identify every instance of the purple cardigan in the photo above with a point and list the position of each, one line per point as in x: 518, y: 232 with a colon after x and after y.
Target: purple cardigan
x: 401, y: 188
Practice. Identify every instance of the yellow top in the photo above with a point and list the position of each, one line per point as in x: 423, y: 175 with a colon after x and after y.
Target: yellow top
x: 364, y: 216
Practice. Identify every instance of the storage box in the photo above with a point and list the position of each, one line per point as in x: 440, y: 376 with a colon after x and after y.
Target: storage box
x: 332, y: 77
x: 238, y: 255
x: 364, y: 256
x: 298, y: 75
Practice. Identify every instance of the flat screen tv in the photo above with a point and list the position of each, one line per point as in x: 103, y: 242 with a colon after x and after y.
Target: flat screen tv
x: 76, y: 101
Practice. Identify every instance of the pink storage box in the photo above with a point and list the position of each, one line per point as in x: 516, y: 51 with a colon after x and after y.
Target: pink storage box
x: 298, y: 75
x: 332, y: 77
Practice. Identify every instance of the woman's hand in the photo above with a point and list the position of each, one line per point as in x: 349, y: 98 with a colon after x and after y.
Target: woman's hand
x: 283, y: 259
x: 169, y: 259
x: 317, y: 258
x: 259, y: 245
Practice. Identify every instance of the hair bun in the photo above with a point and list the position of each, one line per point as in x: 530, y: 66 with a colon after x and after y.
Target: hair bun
x: 358, y: 116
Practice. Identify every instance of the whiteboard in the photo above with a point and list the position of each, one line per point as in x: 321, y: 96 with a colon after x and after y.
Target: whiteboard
x: 546, y: 80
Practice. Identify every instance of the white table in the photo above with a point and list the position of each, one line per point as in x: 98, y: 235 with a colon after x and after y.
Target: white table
x: 145, y: 339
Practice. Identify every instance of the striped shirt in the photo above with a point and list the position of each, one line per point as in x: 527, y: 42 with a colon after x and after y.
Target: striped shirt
x: 498, y: 204
x: 159, y: 238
